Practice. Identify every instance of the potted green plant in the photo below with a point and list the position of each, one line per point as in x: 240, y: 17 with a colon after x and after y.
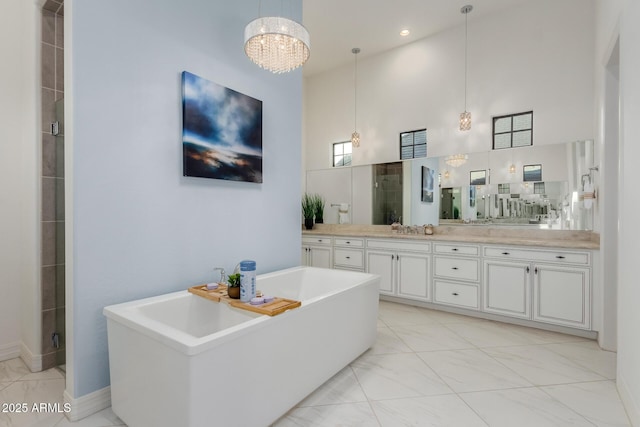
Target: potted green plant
x: 308, y: 210
x: 318, y: 208
x: 233, y: 286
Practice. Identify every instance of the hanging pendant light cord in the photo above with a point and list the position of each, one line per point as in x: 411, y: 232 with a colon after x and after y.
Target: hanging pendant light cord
x: 466, y: 17
x: 355, y: 94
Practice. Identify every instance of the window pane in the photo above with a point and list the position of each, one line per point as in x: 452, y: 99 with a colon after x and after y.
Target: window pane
x: 338, y: 161
x: 347, y: 160
x: 502, y: 141
x: 406, y: 139
x: 337, y: 149
x: 521, y: 139
x: 420, y: 151
x: 407, y: 152
x: 522, y: 121
x: 347, y: 148
x: 502, y: 125
x: 420, y: 137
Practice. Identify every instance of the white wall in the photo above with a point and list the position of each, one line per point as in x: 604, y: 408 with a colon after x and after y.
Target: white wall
x: 622, y: 17
x: 19, y: 209
x: 138, y: 227
x: 536, y: 56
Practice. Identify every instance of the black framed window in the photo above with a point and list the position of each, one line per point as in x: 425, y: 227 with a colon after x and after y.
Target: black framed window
x: 413, y: 144
x: 513, y: 130
x: 538, y: 188
x: 342, y: 154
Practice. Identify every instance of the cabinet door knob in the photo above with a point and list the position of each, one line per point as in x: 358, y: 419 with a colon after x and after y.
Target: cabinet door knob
x: 505, y: 253
x: 348, y: 257
x: 454, y: 268
x: 454, y: 294
x: 535, y: 270
x: 455, y: 249
x: 348, y: 243
x: 560, y: 257
x: 528, y: 269
x: 320, y: 240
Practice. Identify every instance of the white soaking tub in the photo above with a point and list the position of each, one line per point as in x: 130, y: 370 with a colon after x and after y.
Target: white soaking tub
x: 181, y: 360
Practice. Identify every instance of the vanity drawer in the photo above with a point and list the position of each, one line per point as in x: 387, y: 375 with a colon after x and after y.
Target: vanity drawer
x: 353, y: 258
x: 457, y: 268
x: 460, y: 294
x: 316, y: 240
x: 440, y: 248
x: 399, y: 245
x: 579, y: 258
x: 355, y: 243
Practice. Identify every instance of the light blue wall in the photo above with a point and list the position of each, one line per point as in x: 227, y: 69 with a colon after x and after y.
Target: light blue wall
x: 423, y: 212
x: 140, y: 228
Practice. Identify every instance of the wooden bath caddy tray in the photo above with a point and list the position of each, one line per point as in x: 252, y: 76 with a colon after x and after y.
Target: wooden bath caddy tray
x: 277, y: 306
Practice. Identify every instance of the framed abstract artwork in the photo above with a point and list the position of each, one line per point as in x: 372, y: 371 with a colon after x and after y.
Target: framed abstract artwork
x: 532, y: 173
x: 221, y: 132
x: 478, y: 177
x: 428, y: 178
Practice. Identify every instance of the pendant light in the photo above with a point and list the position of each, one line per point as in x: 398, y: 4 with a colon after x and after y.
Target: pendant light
x: 275, y: 43
x: 355, y: 136
x: 465, y: 118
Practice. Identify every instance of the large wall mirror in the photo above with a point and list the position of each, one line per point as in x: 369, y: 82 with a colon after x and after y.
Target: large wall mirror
x: 383, y: 193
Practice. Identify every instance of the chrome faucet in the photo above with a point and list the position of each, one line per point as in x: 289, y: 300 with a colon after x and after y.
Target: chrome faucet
x: 223, y: 275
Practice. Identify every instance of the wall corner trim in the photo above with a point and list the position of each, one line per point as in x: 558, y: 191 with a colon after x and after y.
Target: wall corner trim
x: 632, y: 407
x: 88, y: 404
x: 33, y: 361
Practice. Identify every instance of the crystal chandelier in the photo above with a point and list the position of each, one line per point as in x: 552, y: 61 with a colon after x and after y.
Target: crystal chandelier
x: 465, y: 118
x: 276, y: 44
x: 355, y: 136
x: 456, y: 160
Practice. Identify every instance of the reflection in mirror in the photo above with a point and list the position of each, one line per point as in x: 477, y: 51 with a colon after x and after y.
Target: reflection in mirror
x: 565, y: 168
x: 387, y: 193
x: 450, y: 203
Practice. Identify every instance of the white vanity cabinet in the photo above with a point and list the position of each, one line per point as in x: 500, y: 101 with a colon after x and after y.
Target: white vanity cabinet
x: 456, y: 275
x: 348, y: 253
x: 551, y: 286
x: 317, y: 251
x: 507, y: 288
x: 562, y: 295
x: 403, y: 266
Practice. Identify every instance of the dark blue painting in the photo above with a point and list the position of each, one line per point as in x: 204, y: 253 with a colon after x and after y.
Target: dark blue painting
x: 532, y: 173
x: 221, y: 132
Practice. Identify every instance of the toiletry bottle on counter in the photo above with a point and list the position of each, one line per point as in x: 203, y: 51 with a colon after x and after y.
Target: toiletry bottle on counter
x: 247, y: 280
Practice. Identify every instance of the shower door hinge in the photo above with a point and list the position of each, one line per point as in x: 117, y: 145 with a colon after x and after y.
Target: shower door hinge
x: 55, y: 128
x: 55, y: 340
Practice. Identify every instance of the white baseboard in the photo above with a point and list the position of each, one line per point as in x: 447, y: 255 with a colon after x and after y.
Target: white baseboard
x: 33, y: 361
x: 632, y: 407
x: 88, y: 404
x: 9, y: 351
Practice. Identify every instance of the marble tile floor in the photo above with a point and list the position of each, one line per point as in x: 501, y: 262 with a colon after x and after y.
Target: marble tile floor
x: 428, y: 368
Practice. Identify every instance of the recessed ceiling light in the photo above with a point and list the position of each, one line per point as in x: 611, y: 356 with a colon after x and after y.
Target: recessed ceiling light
x: 405, y: 32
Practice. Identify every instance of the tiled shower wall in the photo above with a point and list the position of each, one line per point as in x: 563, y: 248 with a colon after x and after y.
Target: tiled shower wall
x: 52, y: 281
x: 387, y: 197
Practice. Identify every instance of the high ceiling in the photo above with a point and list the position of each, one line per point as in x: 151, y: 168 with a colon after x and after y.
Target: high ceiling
x: 337, y: 26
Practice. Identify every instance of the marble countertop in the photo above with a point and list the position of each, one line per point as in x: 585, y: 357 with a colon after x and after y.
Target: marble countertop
x: 570, y: 239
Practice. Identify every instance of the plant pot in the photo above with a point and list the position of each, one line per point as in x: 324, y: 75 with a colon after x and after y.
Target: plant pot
x: 234, y: 292
x: 319, y: 220
x: 308, y: 223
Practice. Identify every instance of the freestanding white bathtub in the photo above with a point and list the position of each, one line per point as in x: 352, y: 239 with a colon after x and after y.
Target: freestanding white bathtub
x: 181, y: 360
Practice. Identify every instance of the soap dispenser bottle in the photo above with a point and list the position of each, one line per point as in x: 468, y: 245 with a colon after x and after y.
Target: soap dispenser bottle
x: 247, y: 280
